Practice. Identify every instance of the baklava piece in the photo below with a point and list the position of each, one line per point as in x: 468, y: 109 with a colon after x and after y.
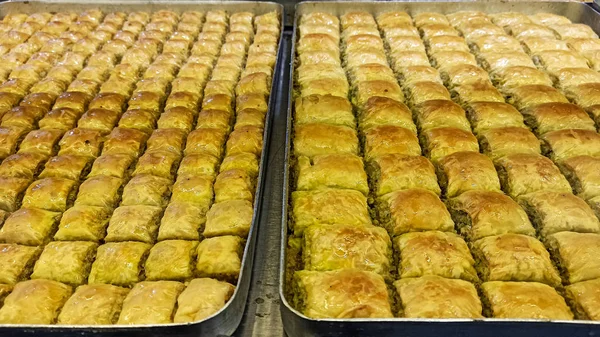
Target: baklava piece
x: 334, y: 247
x: 134, y: 223
x: 577, y: 255
x: 413, y: 210
x: 564, y: 144
x: 535, y: 45
x: 66, y: 262
x: 245, y: 139
x: 421, y: 92
x: 495, y: 43
x: 96, y: 304
x: 438, y: 297
x: 418, y: 73
x: 101, y: 191
x: 200, y: 164
x: 582, y: 174
x: 548, y: 117
x: 206, y: 141
x: 570, y: 77
x: 557, y: 59
x: 394, y: 172
x: 101, y: 120
x: 112, y: 165
x: 490, y: 115
x: 523, y: 300
x: 151, y: 302
x: 553, y: 212
x: 584, y: 95
x: 324, y: 109
x: 496, y: 61
x: 171, y: 260
x: 357, y: 294
x: 182, y: 220
x: 245, y: 161
x: 17, y: 262
x: 125, y: 141
x: 482, y: 91
x: 83, y: 223
x: 382, y: 140
x: 380, y: 111
x: 466, y: 171
x: 434, y: 253
x: 524, y: 30
x: 441, y: 142
x: 177, y: 118
x: 480, y: 214
x: 528, y: 96
x: 45, y: 295
x: 234, y: 184
x: 202, y: 298
x: 463, y: 74
x: 440, y: 113
x: 514, y: 257
x: 144, y: 189
x: 511, y: 78
x: 500, y: 142
x: 220, y: 257
x: 328, y: 206
x: 583, y: 297
x: 197, y: 190
x: 119, y: 263
x: 11, y: 192
x: 526, y: 173
x: 367, y: 89
x: 10, y: 137
x: 52, y: 194
x: 315, y: 139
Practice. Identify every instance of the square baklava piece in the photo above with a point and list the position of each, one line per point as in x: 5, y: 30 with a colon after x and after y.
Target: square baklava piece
x: 134, y: 223
x: 150, y: 302
x: 202, y: 298
x: 526, y: 173
x: 334, y: 170
x: 393, y: 172
x: 119, y: 263
x: 413, y: 210
x: 83, y: 223
x: 583, y: 297
x: 466, y: 171
x: 479, y: 214
x: 49, y: 296
x: 582, y: 174
x: 564, y: 144
x: 499, y: 142
x: 523, y: 300
x: 577, y: 255
x: 434, y: 253
x: 328, y: 206
x: 171, y: 260
x: 357, y: 294
x: 17, y: 262
x: 182, y: 220
x: 29, y: 226
x: 66, y: 262
x: 96, y: 304
x: 437, y: 297
x: 333, y: 247
x: 231, y: 217
x: 554, y: 212
x: 514, y: 257
x: 220, y: 257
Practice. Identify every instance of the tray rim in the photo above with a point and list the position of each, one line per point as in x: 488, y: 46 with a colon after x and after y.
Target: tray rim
x: 286, y: 308
x: 249, y: 246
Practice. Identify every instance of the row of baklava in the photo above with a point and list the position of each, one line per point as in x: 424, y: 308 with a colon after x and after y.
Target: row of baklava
x: 127, y: 222
x: 441, y: 135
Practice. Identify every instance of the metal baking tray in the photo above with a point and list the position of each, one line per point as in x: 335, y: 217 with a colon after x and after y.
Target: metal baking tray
x: 295, y: 323
x: 225, y: 321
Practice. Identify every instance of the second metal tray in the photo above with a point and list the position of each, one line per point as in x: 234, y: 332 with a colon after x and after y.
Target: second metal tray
x: 225, y: 321
x: 295, y: 323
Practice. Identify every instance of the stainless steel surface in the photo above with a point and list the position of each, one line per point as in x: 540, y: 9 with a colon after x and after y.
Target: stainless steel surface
x: 262, y: 316
x: 296, y: 324
x: 225, y: 321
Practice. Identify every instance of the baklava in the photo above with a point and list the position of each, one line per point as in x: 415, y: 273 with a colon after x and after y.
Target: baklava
x: 575, y: 254
x: 527, y: 173
x: 466, y: 171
